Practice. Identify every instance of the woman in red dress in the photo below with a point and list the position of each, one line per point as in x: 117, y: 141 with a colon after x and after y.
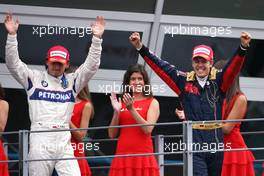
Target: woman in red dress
x: 137, y: 107
x: 237, y: 163
x: 3, y: 119
x: 82, y: 113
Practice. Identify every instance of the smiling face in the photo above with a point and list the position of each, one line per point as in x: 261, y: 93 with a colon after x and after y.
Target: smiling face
x: 201, y: 66
x: 56, y: 69
x: 136, y: 82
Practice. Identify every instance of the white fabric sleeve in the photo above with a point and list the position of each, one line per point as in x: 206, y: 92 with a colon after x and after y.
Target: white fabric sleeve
x: 85, y: 72
x: 17, y: 68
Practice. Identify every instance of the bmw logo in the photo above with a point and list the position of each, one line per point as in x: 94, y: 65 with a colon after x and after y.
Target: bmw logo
x: 44, y: 83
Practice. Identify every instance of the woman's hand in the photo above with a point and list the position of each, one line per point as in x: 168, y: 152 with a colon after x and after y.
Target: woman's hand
x: 116, y: 103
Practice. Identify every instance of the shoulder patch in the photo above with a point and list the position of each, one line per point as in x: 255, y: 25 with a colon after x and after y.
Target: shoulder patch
x: 213, y: 73
x: 190, y: 76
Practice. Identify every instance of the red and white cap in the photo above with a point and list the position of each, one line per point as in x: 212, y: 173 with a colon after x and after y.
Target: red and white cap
x: 203, y: 51
x: 58, y: 54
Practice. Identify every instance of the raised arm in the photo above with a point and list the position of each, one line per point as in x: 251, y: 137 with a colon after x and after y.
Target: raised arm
x: 167, y: 72
x: 85, y: 72
x: 233, y: 67
x: 17, y: 68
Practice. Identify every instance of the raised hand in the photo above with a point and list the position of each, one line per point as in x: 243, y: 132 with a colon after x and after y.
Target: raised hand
x: 98, y: 27
x: 135, y: 40
x: 128, y: 101
x: 116, y: 104
x: 11, y: 24
x: 245, y: 39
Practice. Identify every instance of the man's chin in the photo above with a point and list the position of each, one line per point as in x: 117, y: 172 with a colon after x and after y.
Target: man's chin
x: 201, y: 75
x: 55, y: 74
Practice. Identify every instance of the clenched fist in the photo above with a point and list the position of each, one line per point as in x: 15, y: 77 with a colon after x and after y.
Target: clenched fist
x: 245, y: 39
x: 135, y: 40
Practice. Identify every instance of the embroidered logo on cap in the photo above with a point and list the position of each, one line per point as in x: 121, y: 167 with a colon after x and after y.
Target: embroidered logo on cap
x: 58, y: 53
x: 201, y: 50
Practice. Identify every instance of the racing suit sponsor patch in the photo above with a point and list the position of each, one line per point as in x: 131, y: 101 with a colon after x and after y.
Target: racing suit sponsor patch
x: 52, y: 96
x: 190, y: 88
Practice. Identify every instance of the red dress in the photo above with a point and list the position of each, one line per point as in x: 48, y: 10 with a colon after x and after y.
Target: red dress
x: 237, y: 163
x: 134, y: 141
x: 3, y: 157
x: 79, y: 147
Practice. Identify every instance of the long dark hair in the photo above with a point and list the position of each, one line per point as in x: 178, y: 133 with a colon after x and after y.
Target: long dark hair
x: 2, y: 92
x: 84, y: 94
x: 235, y: 86
x: 147, y: 92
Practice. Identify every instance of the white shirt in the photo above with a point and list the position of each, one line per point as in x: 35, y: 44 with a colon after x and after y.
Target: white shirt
x: 202, y: 81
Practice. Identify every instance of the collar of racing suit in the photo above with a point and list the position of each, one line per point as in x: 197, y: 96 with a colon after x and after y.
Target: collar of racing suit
x: 202, y: 81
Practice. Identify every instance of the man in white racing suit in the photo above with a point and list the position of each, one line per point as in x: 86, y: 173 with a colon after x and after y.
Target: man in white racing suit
x: 51, y: 95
